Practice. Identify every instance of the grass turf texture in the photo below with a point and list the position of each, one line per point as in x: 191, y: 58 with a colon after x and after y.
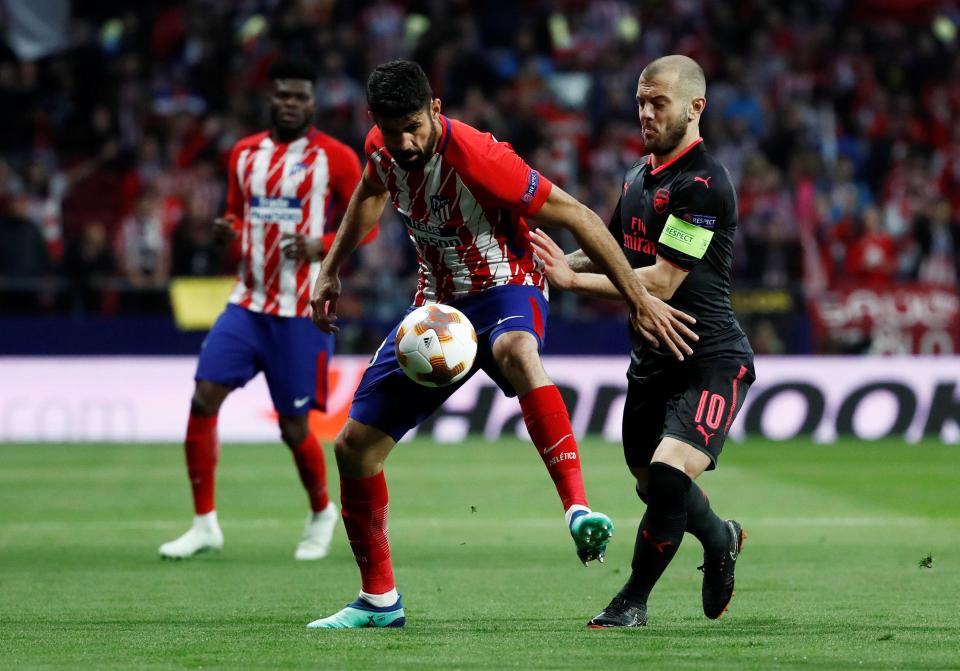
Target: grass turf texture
x: 830, y: 576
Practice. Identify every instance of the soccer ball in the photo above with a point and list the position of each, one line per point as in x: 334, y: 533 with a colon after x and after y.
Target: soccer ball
x: 436, y: 345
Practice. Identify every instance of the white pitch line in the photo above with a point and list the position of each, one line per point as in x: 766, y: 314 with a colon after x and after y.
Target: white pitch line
x: 398, y: 520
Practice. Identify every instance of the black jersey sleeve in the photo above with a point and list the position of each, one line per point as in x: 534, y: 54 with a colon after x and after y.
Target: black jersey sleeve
x: 698, y: 209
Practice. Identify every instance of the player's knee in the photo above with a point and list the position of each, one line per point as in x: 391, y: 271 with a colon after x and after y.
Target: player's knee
x: 642, y: 477
x: 293, y: 431
x: 347, y: 448
x: 516, y: 353
x: 360, y: 453
x: 205, y: 401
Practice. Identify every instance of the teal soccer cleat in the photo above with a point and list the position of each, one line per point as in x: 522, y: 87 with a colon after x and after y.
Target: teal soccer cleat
x: 360, y: 614
x: 591, y: 532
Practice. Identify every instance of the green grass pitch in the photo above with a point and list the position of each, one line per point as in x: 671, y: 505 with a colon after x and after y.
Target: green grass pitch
x: 830, y: 577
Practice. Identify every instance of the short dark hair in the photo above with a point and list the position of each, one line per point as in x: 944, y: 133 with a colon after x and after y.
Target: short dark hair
x: 398, y: 89
x: 289, y: 67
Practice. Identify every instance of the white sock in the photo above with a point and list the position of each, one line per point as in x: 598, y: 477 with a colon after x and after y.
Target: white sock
x: 208, y: 521
x: 381, y: 600
x: 568, y: 515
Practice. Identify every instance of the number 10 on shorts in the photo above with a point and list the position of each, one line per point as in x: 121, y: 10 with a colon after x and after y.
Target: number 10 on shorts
x: 713, y: 405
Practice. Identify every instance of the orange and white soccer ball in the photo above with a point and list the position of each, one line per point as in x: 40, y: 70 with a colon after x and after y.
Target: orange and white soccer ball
x: 436, y: 345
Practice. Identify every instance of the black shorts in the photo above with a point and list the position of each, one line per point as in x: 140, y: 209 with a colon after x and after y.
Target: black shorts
x: 694, y: 401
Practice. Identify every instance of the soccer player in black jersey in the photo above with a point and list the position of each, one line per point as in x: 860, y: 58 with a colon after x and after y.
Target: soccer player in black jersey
x: 675, y: 220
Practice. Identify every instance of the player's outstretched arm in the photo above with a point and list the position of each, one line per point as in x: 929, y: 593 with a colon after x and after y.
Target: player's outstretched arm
x: 656, y: 320
x: 363, y: 213
x: 579, y: 262
x: 661, y: 279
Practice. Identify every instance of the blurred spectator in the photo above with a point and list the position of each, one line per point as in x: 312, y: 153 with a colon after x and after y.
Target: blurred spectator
x: 871, y: 258
x: 195, y: 251
x: 936, y: 234
x: 23, y: 252
x: 143, y: 246
x: 89, y: 264
x: 46, y: 191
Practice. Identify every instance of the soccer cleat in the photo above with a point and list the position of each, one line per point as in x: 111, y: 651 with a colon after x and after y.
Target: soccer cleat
x: 360, y: 614
x: 591, y: 532
x: 203, y: 536
x: 318, y: 533
x: 718, y: 574
x: 620, y: 613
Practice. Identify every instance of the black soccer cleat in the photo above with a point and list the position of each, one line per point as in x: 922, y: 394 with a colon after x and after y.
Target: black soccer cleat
x: 620, y: 613
x: 718, y: 574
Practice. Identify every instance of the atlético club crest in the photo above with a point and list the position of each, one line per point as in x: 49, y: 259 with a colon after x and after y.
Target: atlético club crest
x: 440, y: 206
x: 661, y: 199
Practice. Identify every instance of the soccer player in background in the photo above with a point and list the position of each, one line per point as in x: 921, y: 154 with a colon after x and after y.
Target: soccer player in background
x: 676, y: 221
x: 287, y: 187
x: 463, y: 197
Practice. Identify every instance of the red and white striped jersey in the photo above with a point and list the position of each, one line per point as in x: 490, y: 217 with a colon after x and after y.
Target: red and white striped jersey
x: 464, y: 211
x: 275, y: 188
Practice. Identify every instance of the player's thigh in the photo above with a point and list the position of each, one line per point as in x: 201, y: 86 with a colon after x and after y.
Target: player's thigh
x: 507, y: 310
x: 389, y: 401
x: 228, y: 356
x: 296, y: 356
x: 517, y: 356
x: 644, y: 412
x: 714, y: 389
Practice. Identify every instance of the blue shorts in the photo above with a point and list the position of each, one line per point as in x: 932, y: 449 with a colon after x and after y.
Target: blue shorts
x: 292, y: 353
x: 390, y: 401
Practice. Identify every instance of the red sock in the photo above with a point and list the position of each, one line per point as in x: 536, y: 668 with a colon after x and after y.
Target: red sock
x: 365, y: 519
x: 549, y: 426
x: 313, y: 471
x: 202, y: 449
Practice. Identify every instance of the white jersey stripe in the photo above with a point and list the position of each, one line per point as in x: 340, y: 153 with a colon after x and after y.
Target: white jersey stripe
x: 287, y: 268
x: 318, y: 207
x: 258, y: 185
x: 239, y: 294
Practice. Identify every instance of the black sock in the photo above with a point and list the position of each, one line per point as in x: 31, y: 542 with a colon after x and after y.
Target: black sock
x: 702, y: 522
x: 660, y: 532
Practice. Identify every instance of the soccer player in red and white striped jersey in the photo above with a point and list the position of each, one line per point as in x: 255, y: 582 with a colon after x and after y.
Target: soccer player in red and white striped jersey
x: 287, y: 187
x: 463, y: 197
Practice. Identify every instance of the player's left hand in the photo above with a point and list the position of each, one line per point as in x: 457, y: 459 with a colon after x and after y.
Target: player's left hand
x: 661, y: 323
x: 556, y: 268
x: 299, y: 246
x: 323, y: 301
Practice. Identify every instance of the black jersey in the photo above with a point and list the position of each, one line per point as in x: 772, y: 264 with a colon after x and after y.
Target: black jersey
x: 685, y: 210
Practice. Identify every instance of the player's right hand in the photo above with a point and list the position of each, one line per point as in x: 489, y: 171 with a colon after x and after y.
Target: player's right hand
x: 323, y: 302
x: 661, y: 323
x: 224, y: 228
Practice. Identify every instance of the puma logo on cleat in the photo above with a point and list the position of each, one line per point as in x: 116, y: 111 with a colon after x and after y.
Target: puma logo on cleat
x: 705, y: 180
x: 556, y: 445
x: 659, y: 546
x: 706, y: 436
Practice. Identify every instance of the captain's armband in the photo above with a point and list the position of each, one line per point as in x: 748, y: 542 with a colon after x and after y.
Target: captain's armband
x: 684, y: 237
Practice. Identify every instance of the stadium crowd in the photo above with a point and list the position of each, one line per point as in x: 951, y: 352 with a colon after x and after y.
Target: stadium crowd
x: 835, y: 119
